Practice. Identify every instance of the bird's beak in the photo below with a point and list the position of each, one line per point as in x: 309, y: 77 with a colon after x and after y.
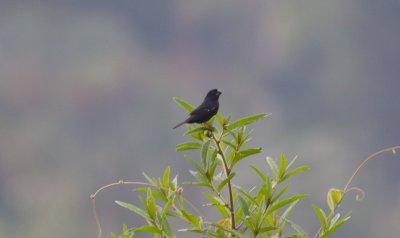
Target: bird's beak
x: 219, y: 92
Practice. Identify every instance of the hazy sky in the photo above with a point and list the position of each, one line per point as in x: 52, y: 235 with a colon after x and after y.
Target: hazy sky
x: 86, y: 93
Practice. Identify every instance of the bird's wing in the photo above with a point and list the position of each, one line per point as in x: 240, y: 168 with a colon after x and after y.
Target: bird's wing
x: 200, y: 109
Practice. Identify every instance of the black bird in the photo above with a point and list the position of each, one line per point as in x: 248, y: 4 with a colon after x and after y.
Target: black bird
x: 207, y: 109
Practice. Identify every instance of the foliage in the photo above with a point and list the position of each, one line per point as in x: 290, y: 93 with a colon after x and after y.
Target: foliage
x: 259, y: 211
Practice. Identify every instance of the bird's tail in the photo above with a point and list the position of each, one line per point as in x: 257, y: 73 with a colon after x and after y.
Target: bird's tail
x: 180, y: 124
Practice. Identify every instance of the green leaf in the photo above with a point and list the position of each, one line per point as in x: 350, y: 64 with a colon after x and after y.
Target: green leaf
x: 195, y: 130
x: 240, y: 135
x: 225, y: 181
x: 220, y: 119
x: 269, y: 221
x: 249, y: 152
x: 174, y: 183
x: 161, y: 196
x: 181, y: 202
x: 192, y: 219
x: 213, y: 166
x: 211, y: 122
x: 166, y: 227
x: 244, y: 206
x: 166, y: 207
x: 285, y: 202
x: 322, y: 217
x: 232, y: 134
x: 200, y: 178
x: 297, y: 228
x: 245, y: 153
x: 267, y: 229
x: 229, y: 230
x: 257, y: 216
x: 134, y: 209
x: 219, y: 204
x: 185, y: 105
x: 295, y: 171
x: 289, y: 210
x: 261, y: 174
x: 198, y: 136
x: 292, y: 162
x: 248, y: 224
x: 199, y: 184
x: 265, y: 192
x: 245, y: 120
x: 126, y: 233
x: 196, y: 165
x: 282, y: 166
x: 336, y: 226
x: 150, y: 180
x: 151, y: 204
x: 247, y: 195
x: 191, y: 229
x: 166, y: 177
x: 273, y: 166
x: 334, y: 197
x: 190, y: 145
x: 204, y: 151
x: 230, y: 144
x: 268, y: 186
x: 150, y: 229
x: 279, y: 194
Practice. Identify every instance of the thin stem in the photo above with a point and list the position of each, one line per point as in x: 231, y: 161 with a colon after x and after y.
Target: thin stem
x: 122, y: 182
x: 227, y: 173
x: 218, y: 194
x: 93, y: 197
x: 371, y: 157
x: 347, y: 188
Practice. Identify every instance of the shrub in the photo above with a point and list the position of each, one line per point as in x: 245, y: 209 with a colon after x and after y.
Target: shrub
x: 260, y: 211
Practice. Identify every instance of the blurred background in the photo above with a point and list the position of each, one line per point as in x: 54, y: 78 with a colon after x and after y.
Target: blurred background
x: 86, y: 93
